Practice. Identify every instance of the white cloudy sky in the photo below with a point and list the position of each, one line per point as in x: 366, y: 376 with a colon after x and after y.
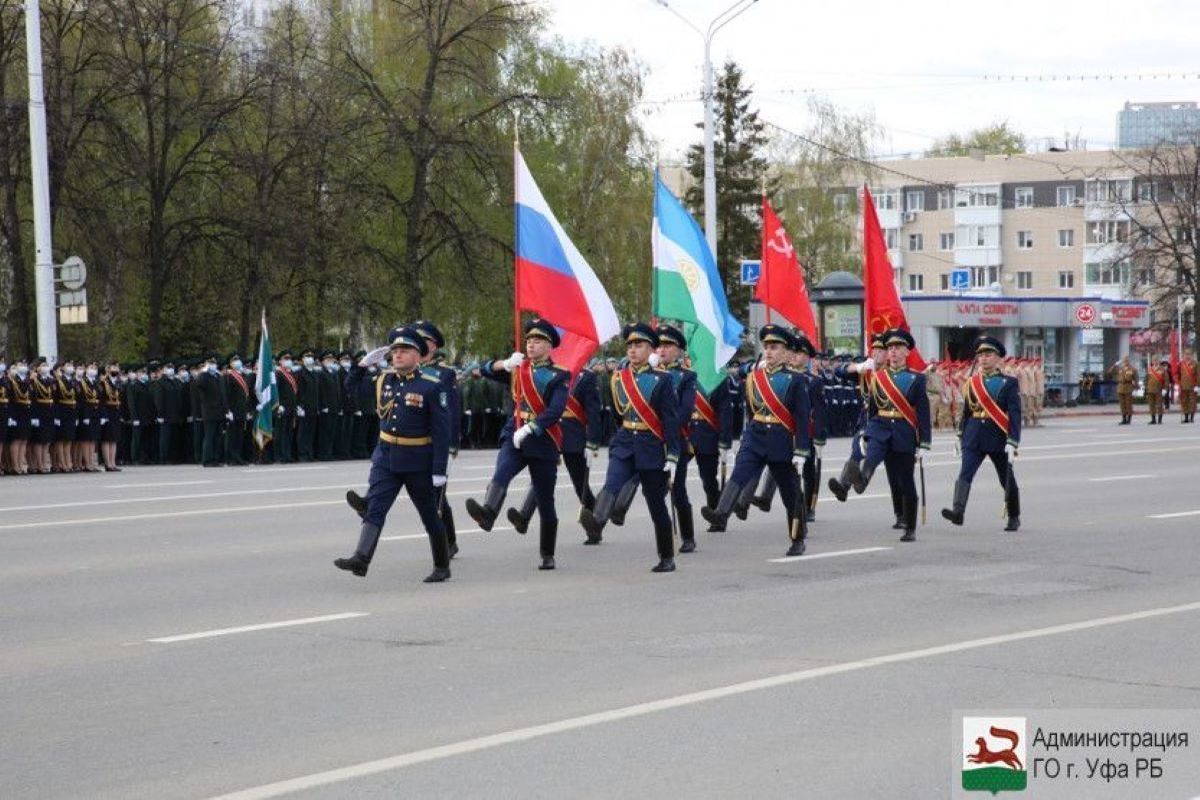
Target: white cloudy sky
x: 919, y: 66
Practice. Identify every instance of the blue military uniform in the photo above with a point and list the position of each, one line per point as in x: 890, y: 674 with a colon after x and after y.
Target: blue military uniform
x: 710, y: 442
x: 530, y: 437
x: 448, y: 379
x: 582, y: 426
x: 644, y: 448
x: 991, y: 425
x: 775, y: 435
x: 891, y: 438
x: 413, y: 448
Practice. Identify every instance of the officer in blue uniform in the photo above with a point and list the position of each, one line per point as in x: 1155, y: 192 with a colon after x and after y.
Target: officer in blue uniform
x: 857, y: 372
x: 990, y: 427
x: 433, y: 364
x: 671, y: 346
x: 646, y: 446
x: 582, y: 426
x: 892, y: 439
x: 711, y: 443
x: 776, y: 433
x: 412, y: 452
x: 531, y: 437
x: 817, y: 429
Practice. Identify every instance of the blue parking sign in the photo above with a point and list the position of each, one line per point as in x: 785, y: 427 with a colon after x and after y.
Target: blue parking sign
x: 960, y: 279
x: 750, y: 272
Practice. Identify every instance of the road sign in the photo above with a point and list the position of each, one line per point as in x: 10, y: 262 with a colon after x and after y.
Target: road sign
x: 750, y: 272
x: 960, y: 279
x: 1085, y: 313
x: 72, y: 274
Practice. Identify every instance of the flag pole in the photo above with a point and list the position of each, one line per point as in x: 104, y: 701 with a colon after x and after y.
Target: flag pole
x: 516, y: 236
x: 762, y: 256
x: 653, y: 282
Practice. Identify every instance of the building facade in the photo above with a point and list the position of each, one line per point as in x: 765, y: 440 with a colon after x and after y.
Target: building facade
x: 1142, y: 125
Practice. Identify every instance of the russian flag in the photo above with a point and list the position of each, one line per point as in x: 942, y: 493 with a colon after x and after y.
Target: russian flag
x: 554, y: 280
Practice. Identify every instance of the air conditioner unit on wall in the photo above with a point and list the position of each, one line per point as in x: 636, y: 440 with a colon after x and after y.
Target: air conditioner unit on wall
x: 910, y: 216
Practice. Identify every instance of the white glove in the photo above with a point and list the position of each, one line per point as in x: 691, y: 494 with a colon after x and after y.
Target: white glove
x: 797, y: 462
x: 513, y: 361
x: 593, y: 455
x: 359, y: 413
x: 957, y: 446
x: 87, y: 422
x: 229, y: 416
x: 324, y: 410
x: 299, y: 411
x: 817, y: 449
x: 669, y: 471
x: 57, y: 422
x: 439, y: 481
x: 12, y: 423
x: 103, y: 421
x: 655, y: 360
x: 159, y: 420
x: 868, y: 364
x: 522, y: 433
x: 249, y: 416
x: 723, y: 456
x: 920, y: 455
x: 1011, y: 449
x: 376, y: 356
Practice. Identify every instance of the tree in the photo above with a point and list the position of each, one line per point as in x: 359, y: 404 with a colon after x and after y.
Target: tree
x: 819, y: 170
x: 1162, y: 243
x: 995, y: 139
x: 15, y: 294
x: 739, y: 141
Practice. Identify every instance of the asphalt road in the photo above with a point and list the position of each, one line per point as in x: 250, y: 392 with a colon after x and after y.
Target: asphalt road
x: 739, y: 675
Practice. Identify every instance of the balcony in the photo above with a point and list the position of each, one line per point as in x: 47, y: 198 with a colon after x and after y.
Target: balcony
x: 977, y: 215
x: 977, y: 256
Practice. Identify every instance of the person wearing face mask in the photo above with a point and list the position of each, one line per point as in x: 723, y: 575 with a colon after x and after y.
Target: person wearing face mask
x: 184, y: 445
x: 284, y: 439
x: 20, y: 401
x: 110, y: 415
x: 362, y: 405
x: 345, y: 435
x: 42, y: 419
x: 88, y: 431
x: 167, y: 396
x: 307, y: 410
x: 214, y: 411
x: 196, y: 454
x: 3, y: 413
x: 329, y: 408
x: 238, y: 401
x: 139, y: 406
x: 66, y: 417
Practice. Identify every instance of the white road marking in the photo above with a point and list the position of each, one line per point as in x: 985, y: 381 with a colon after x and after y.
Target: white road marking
x: 149, y: 485
x: 466, y: 746
x: 1118, y: 478
x: 834, y: 554
x: 266, y: 626
x: 852, y: 496
x: 1173, y: 516
x: 408, y: 536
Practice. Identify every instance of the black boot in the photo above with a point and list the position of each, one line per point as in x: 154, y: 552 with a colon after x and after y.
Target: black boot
x: 666, y: 549
x: 368, y: 539
x: 357, y: 502
x: 864, y: 477
x: 622, y: 502
x: 687, y: 530
x: 520, y: 518
x: 718, y: 517
x: 1012, y: 505
x: 594, y: 519
x: 765, y: 494
x: 548, y: 539
x: 742, y: 507
x: 447, y: 517
x: 841, y: 486
x: 1160, y: 422
x: 485, y: 515
x: 441, y: 558
x: 589, y: 499
x: 962, y: 491
x: 910, y: 519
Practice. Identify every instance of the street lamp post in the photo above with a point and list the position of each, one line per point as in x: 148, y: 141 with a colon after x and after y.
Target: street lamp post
x: 710, y: 170
x: 1182, y: 304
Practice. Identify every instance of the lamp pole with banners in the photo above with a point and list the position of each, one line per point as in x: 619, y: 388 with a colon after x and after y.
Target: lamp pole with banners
x: 710, y: 171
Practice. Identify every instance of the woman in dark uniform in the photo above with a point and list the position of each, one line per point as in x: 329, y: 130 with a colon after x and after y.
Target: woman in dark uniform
x: 18, y: 413
x: 41, y: 420
x: 66, y: 416
x: 110, y: 415
x: 4, y: 418
x: 88, y: 434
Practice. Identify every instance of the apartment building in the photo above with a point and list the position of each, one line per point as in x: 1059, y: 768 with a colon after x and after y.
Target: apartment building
x: 1028, y: 248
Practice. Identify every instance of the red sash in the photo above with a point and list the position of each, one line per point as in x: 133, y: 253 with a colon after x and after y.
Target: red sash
x: 707, y: 413
x: 241, y: 382
x: 287, y: 376
x: 993, y: 410
x: 526, y: 389
x: 1158, y: 376
x: 574, y: 406
x: 763, y: 384
x: 884, y: 379
x: 648, y: 414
